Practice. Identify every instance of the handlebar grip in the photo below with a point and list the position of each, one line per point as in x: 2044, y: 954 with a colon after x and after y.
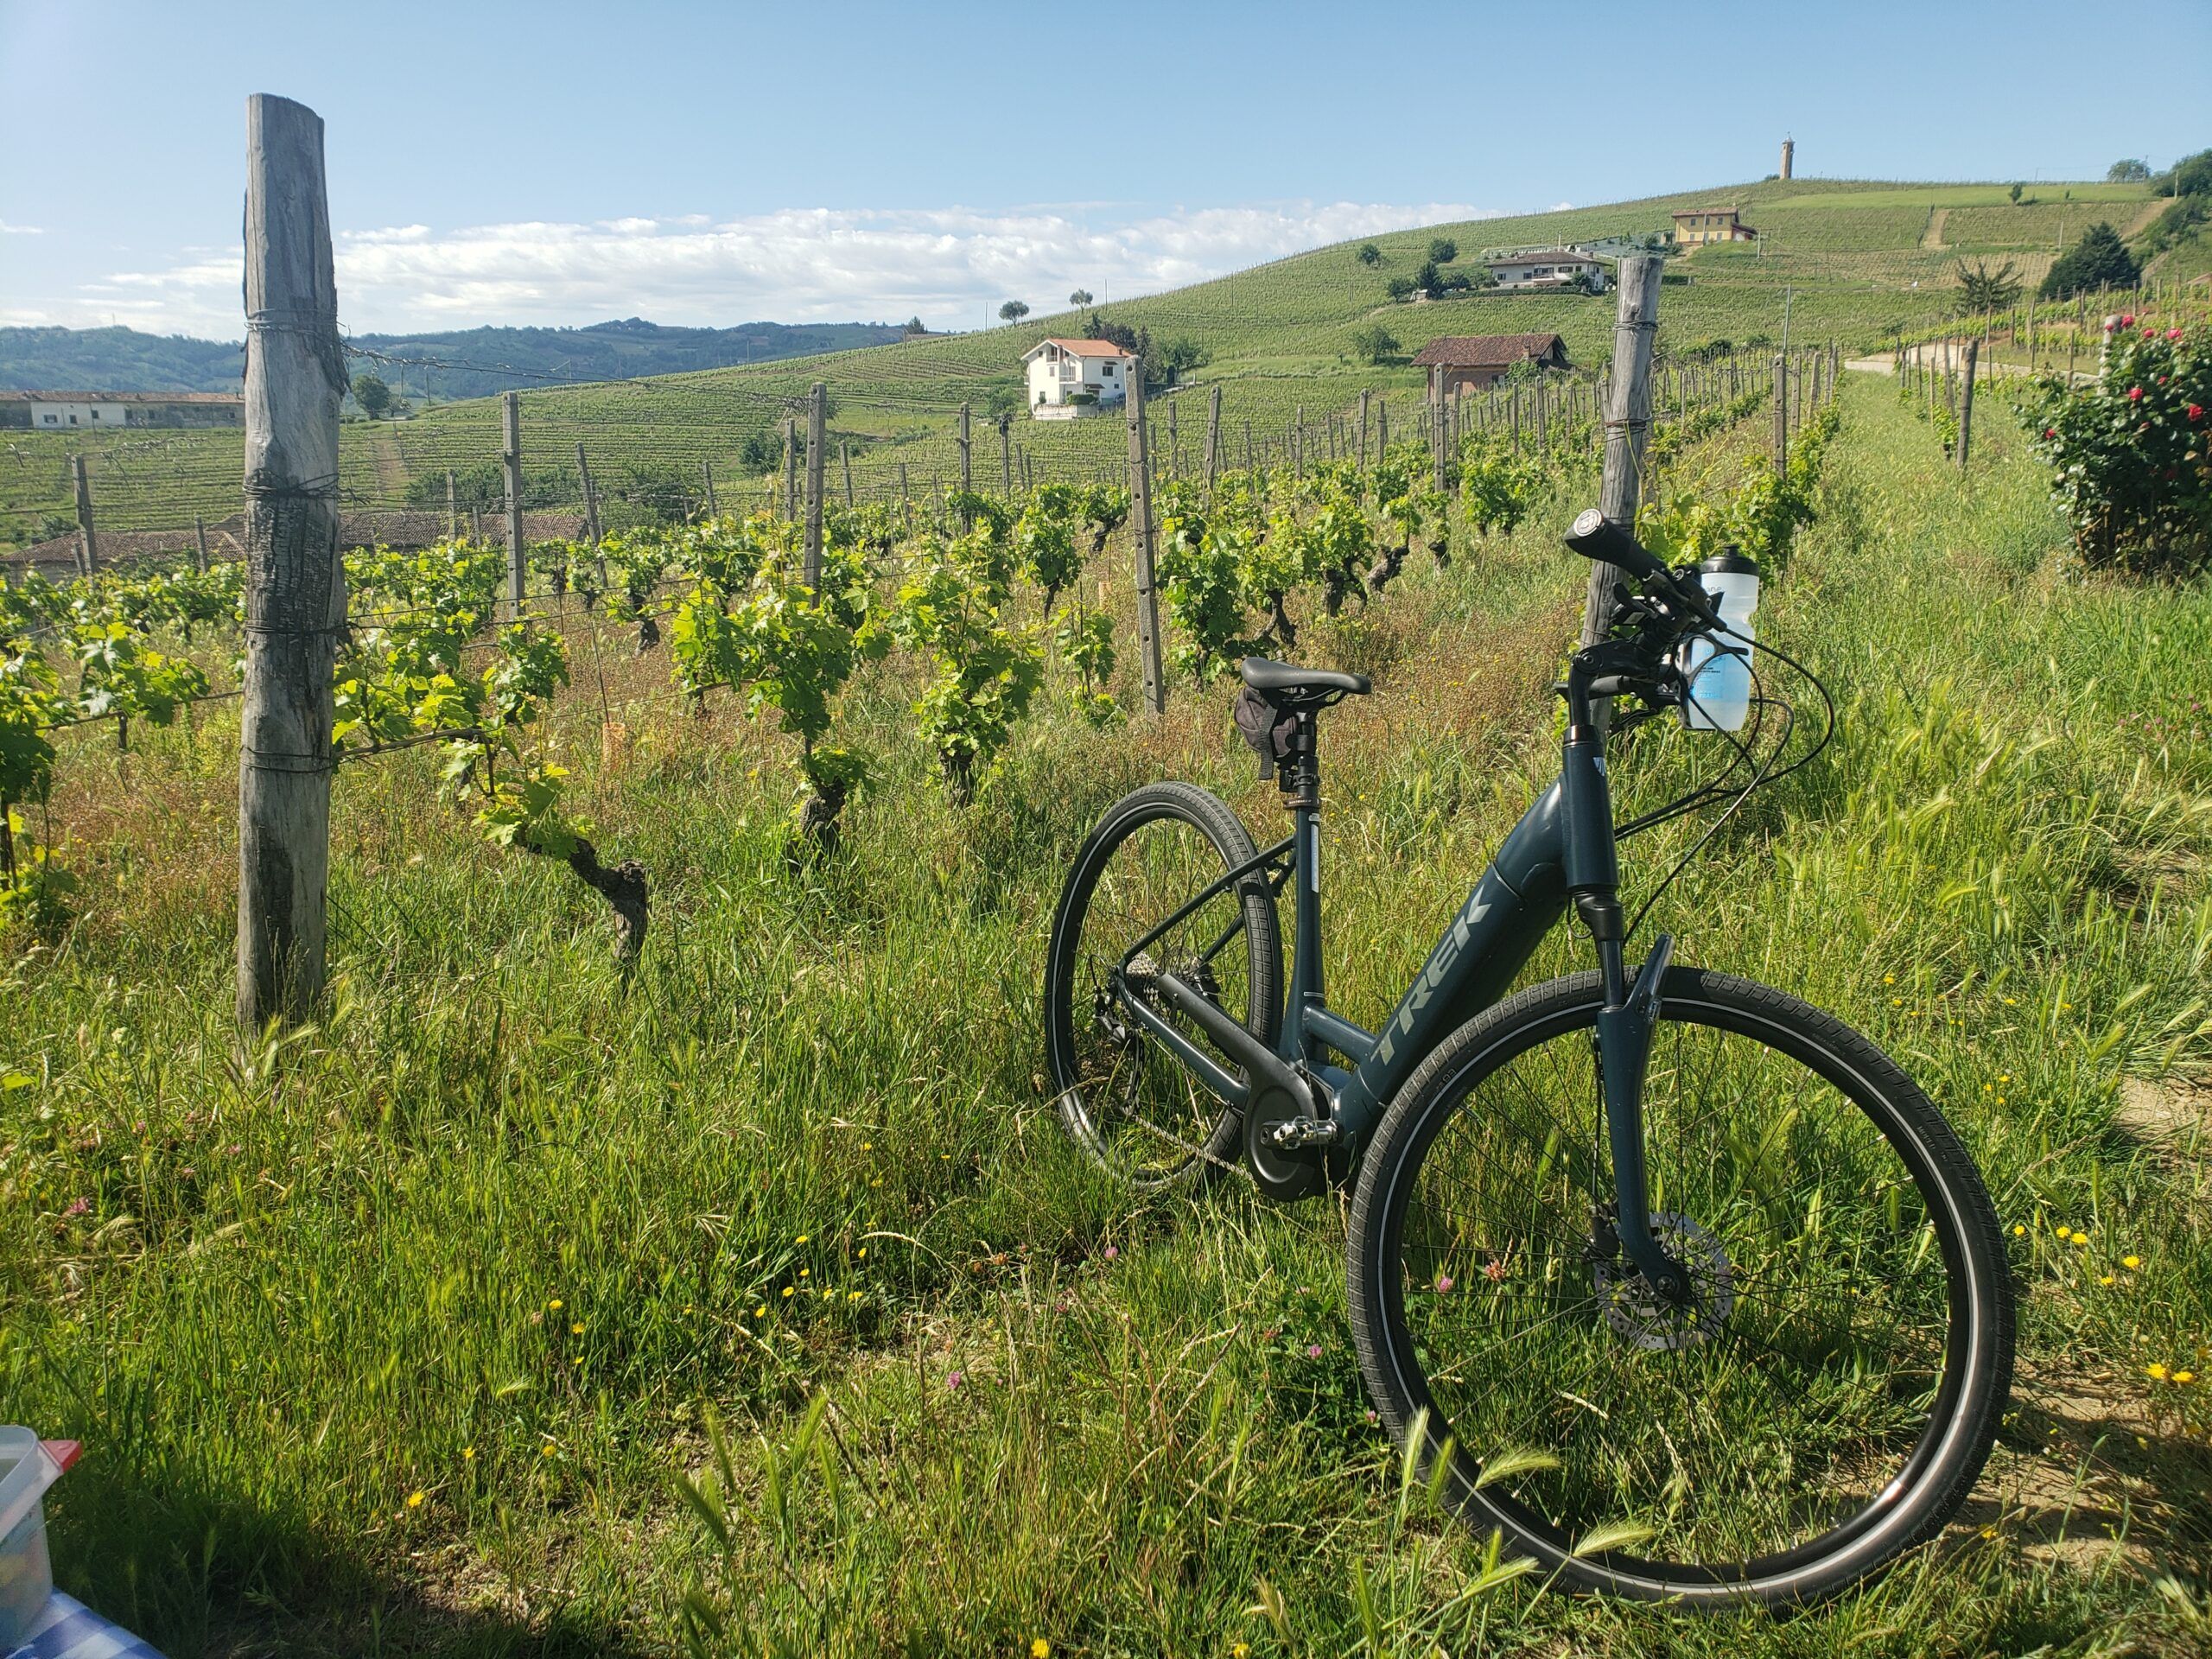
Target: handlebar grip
x: 1596, y: 537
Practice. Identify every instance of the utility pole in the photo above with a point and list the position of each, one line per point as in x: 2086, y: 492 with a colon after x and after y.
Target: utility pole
x: 294, y: 580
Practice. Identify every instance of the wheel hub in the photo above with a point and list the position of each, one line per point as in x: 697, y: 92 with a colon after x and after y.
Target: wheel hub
x: 1652, y: 1322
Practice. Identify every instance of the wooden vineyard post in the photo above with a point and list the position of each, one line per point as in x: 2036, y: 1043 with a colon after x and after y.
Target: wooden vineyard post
x: 511, y: 460
x: 967, y: 450
x: 1781, y: 414
x: 1298, y: 443
x: 817, y: 411
x: 790, y: 468
x: 707, y: 477
x: 453, y: 509
x: 1155, y: 682
x: 1439, y: 438
x: 88, y: 543
x: 1213, y: 436
x: 1382, y: 428
x: 294, y: 580
x: 905, y: 498
x: 200, y: 532
x: 1006, y: 455
x: 1965, y: 404
x: 1247, y: 446
x: 1363, y: 429
x: 1627, y: 419
x: 845, y: 456
x: 591, y: 496
x: 1174, y: 439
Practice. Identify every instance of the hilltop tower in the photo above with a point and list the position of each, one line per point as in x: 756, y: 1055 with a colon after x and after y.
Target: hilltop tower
x: 1788, y: 155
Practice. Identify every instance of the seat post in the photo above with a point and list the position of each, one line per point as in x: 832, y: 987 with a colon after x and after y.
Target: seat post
x: 1300, y: 772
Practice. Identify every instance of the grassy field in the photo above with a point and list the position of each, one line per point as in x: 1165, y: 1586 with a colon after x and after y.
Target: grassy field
x: 1853, y: 258
x: 394, y: 1336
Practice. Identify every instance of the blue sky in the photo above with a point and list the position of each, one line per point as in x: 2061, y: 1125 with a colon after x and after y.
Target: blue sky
x: 698, y: 164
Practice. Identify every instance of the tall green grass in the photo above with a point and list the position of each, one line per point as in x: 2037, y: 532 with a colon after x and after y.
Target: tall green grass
x: 506, y: 1312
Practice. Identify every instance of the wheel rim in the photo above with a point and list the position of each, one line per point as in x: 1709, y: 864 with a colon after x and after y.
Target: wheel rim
x: 1131, y: 1103
x: 1831, y: 1280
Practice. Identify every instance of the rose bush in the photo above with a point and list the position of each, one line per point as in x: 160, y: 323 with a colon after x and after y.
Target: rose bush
x: 2128, y: 454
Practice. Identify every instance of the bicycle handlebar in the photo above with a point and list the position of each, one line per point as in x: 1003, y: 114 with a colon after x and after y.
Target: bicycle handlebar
x: 1596, y: 537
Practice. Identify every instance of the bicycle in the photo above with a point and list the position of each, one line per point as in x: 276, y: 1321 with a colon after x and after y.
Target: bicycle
x: 1680, y: 1284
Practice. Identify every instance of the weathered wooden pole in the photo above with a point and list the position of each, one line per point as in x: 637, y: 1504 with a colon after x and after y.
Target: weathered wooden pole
x: 1155, y: 681
x: 1363, y: 395
x: 1213, y: 435
x: 1965, y: 404
x: 510, y: 462
x: 707, y: 483
x: 1439, y: 441
x: 591, y: 496
x: 845, y: 456
x: 967, y: 449
x: 818, y: 414
x: 453, y: 509
x: 1006, y: 454
x: 790, y: 468
x: 88, y: 543
x: 1781, y: 413
x: 295, y: 582
x: 1628, y: 420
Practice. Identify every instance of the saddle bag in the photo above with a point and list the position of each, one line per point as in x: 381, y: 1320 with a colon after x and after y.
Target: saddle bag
x: 1265, y: 728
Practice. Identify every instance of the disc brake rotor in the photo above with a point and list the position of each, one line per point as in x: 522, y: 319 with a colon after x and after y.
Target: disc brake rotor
x: 1648, y: 1319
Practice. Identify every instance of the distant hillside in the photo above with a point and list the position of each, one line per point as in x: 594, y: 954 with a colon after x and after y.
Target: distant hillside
x: 465, y: 363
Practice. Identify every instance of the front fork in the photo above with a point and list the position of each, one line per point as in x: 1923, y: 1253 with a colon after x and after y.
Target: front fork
x: 1631, y: 1008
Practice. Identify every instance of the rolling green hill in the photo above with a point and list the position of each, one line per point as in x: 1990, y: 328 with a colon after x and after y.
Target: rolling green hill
x: 1847, y: 261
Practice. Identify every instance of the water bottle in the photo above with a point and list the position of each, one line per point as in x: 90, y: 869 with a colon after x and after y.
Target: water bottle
x: 1717, y: 668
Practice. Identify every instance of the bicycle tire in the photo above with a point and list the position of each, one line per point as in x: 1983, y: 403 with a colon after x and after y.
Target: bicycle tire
x: 1968, y: 1383
x: 1213, y: 1146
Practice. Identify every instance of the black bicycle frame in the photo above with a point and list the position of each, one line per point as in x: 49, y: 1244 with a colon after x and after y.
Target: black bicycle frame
x: 1561, y: 851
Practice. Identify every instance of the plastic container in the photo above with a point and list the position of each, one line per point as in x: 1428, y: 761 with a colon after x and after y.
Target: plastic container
x: 1718, y: 667
x: 27, y: 1469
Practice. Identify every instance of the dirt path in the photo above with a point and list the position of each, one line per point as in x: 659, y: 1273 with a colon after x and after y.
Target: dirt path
x: 1942, y: 354
x: 1932, y: 238
x: 391, y: 466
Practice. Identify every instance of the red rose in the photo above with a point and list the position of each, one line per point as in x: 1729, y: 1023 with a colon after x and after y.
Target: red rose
x: 2135, y: 394
x: 2196, y: 411
x: 2173, y: 333
x: 2050, y: 431
x: 2127, y: 319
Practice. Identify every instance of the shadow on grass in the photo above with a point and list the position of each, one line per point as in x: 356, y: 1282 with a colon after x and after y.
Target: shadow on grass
x: 201, y: 1575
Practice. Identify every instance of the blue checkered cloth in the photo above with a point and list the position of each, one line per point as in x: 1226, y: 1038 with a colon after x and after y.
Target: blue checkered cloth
x: 69, y: 1630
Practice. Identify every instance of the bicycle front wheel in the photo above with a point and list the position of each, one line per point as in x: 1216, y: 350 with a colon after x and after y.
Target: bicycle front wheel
x: 1824, y: 1399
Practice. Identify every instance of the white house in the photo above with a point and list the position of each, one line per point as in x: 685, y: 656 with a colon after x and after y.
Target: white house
x: 1551, y: 268
x: 1071, y: 378
x: 46, y: 411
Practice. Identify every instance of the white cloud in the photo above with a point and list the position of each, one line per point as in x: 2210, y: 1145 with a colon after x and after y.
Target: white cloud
x: 6, y: 229
x: 794, y: 265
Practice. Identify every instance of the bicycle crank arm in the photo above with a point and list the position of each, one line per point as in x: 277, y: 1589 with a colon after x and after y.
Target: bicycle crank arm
x: 1624, y: 1058
x: 1267, y: 1069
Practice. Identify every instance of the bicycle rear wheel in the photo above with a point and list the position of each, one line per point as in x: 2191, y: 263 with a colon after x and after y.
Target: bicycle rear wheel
x: 1128, y: 1100
x: 1824, y: 1402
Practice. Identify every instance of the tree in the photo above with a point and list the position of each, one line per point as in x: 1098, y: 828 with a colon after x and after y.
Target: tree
x: 914, y: 327
x: 1369, y: 254
x: 2128, y: 171
x: 372, y: 395
x: 2190, y: 176
x: 1080, y: 298
x: 1443, y: 250
x: 2015, y: 193
x: 1400, y: 287
x: 1013, y: 311
x: 1375, y: 344
x: 1982, y: 290
x: 2100, y: 260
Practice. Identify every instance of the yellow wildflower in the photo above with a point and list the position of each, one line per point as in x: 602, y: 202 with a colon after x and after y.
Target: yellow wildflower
x: 415, y: 1499
x: 2155, y: 1372
x: 554, y: 1305
x: 2131, y: 1262
x: 788, y: 1290
x: 577, y: 1329
x: 1040, y: 1649
x: 468, y: 1455
x: 2184, y: 1377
